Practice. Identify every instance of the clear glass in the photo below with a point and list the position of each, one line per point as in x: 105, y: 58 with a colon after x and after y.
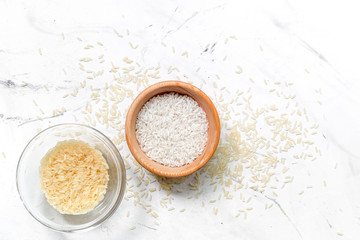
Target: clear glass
x: 28, y: 181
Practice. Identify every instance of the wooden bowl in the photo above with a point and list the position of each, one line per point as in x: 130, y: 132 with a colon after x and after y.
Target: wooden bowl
x: 213, y: 132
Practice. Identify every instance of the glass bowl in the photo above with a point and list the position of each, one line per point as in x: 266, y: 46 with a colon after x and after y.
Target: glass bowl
x: 28, y: 180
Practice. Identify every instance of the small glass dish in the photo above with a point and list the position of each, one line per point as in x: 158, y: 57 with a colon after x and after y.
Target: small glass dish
x: 28, y: 180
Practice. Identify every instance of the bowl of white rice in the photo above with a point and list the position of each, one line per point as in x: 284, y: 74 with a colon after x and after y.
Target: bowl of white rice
x: 172, y: 128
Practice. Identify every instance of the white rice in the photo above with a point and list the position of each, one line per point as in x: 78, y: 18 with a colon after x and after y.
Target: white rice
x: 172, y: 129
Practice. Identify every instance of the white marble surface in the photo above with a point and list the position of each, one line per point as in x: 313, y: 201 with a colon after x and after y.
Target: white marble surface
x: 310, y: 44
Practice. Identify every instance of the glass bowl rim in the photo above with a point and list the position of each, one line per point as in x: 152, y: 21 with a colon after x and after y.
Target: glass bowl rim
x: 122, y: 177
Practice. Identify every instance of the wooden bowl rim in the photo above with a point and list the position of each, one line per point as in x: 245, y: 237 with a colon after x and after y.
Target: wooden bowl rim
x: 152, y: 165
